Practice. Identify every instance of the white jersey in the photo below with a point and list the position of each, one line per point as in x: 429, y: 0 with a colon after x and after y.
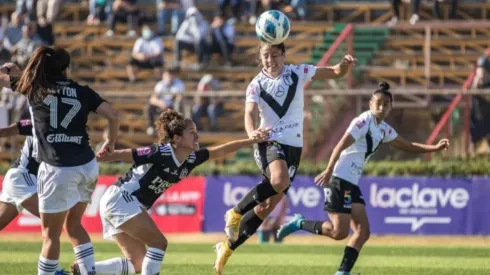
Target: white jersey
x: 281, y: 102
x: 368, y: 135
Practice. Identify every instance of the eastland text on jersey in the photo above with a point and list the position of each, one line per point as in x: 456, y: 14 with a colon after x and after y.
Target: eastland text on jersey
x: 62, y: 138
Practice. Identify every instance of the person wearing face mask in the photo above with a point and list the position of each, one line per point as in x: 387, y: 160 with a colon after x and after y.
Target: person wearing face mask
x: 147, y: 54
x: 344, y: 202
x: 277, y: 95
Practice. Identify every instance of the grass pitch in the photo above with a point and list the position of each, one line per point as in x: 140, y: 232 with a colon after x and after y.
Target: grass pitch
x: 20, y: 257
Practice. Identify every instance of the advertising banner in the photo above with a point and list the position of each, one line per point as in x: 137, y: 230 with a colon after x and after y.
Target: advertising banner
x: 180, y: 209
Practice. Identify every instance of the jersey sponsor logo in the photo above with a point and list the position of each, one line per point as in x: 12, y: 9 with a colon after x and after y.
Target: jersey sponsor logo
x: 62, y: 138
x: 158, y: 185
x: 25, y: 122
x: 361, y: 123
x: 143, y: 151
x: 305, y: 70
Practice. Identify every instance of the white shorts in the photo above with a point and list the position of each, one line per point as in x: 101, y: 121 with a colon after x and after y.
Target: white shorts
x: 117, y: 206
x: 60, y: 188
x: 18, y: 185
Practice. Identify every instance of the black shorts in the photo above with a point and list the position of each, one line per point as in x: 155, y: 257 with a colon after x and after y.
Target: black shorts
x: 340, y: 195
x: 267, y: 152
x: 149, y: 64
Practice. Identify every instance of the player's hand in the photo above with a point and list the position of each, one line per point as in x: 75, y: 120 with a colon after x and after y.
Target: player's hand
x: 443, y: 144
x: 105, y: 150
x: 348, y: 61
x: 10, y: 68
x: 260, y: 135
x: 324, y: 177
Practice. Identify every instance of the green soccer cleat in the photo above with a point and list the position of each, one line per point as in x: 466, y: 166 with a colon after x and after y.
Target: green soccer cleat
x: 290, y: 227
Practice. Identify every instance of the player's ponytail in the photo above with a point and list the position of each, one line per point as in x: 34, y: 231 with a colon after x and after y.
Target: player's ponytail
x: 384, y: 88
x: 41, y: 71
x: 169, y: 124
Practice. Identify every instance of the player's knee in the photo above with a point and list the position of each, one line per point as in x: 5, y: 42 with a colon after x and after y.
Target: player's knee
x: 73, y: 228
x: 365, y: 234
x: 340, y: 234
x: 159, y: 242
x: 280, y: 181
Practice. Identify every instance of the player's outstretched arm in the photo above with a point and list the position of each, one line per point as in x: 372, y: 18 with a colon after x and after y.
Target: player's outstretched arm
x: 346, y: 141
x: 9, y: 131
x: 413, y: 147
x: 336, y: 71
x: 125, y: 155
x: 106, y: 110
x: 220, y: 151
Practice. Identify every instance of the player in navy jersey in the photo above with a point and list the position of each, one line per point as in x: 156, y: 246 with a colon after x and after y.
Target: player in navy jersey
x: 124, y: 205
x: 68, y: 169
x: 19, y: 187
x: 277, y: 94
x: 344, y: 202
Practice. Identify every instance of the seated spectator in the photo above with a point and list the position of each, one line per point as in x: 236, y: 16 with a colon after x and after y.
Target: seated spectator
x: 236, y: 8
x: 173, y: 9
x: 167, y: 94
x: 13, y: 33
x: 23, y: 50
x: 482, y: 75
x: 125, y: 10
x: 99, y: 9
x: 28, y: 6
x: 147, y: 54
x: 192, y: 36
x: 4, y: 54
x: 210, y: 107
x: 223, y: 38
x: 47, y: 10
x: 436, y: 10
x: 298, y: 7
x: 395, y: 5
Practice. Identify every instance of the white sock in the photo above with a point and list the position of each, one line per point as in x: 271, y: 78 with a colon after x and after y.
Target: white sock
x: 46, y: 267
x: 84, y: 254
x: 115, y: 266
x: 152, y: 261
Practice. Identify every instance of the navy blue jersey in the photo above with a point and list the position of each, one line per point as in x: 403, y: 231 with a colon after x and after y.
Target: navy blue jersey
x: 26, y: 161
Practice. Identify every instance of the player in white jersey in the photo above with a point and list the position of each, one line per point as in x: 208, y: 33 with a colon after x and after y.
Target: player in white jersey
x: 344, y: 202
x: 277, y: 94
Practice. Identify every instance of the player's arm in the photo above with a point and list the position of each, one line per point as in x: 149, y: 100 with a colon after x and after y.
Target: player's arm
x: 251, y: 112
x: 125, y: 155
x: 9, y: 131
x: 6, y: 71
x: 402, y: 144
x: 109, y: 113
x: 336, y: 71
x: 222, y: 150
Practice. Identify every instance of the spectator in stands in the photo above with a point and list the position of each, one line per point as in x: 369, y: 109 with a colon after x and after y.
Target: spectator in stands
x: 99, y: 9
x: 236, y: 7
x: 4, y: 54
x: 395, y: 4
x: 23, y: 50
x: 193, y: 36
x: 47, y: 10
x: 28, y: 6
x: 173, y: 9
x: 436, y: 11
x: 124, y: 9
x: 298, y: 7
x: 13, y: 33
x: 147, y: 54
x: 167, y: 94
x: 223, y: 38
x: 482, y: 76
x: 210, y: 107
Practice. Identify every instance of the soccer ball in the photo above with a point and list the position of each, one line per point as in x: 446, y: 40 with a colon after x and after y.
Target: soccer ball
x: 272, y: 27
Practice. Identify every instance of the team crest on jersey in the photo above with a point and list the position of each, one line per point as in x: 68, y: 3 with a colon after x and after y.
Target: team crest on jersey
x: 280, y: 91
x: 144, y: 151
x: 184, y: 173
x: 360, y: 123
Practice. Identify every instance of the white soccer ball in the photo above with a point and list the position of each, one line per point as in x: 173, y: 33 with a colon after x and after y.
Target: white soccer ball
x: 272, y: 27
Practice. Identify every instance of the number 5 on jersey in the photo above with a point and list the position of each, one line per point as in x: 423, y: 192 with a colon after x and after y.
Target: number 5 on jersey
x: 52, y: 102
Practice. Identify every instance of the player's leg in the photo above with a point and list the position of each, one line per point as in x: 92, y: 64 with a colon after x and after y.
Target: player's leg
x: 31, y: 204
x: 338, y: 203
x: 51, y: 226
x: 142, y: 228
x: 271, y: 158
x: 134, y: 252
x: 8, y: 212
x: 360, y: 229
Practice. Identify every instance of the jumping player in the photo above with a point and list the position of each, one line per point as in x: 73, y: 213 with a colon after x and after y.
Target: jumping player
x: 277, y: 92
x: 123, y: 207
x: 19, y: 187
x: 68, y: 170
x: 344, y: 202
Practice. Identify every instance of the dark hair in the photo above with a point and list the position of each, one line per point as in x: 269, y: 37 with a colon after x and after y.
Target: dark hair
x: 281, y: 47
x: 384, y: 88
x: 169, y: 124
x: 41, y: 71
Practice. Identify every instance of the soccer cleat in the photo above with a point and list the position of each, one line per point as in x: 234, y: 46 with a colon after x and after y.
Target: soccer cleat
x: 61, y: 272
x: 75, y: 270
x: 290, y: 227
x: 223, y: 253
x: 232, y: 226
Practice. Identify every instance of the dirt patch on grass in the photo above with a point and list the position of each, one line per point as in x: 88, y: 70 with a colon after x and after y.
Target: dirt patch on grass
x: 472, y: 241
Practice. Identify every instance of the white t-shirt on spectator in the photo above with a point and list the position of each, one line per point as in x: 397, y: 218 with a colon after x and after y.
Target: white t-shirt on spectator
x: 166, y: 91
x: 148, y: 47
